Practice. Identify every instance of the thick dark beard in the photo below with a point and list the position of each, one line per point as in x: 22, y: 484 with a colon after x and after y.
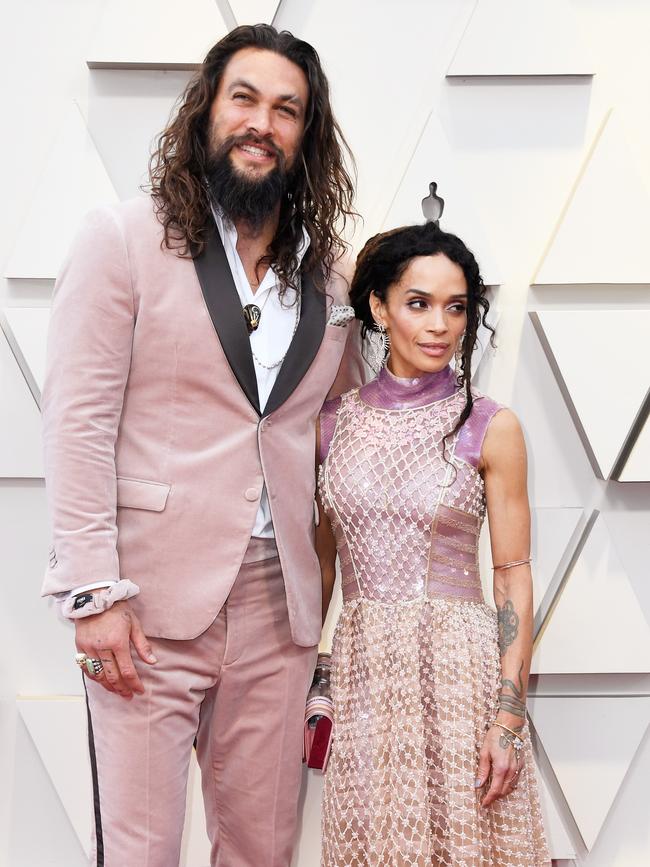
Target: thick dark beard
x: 242, y: 198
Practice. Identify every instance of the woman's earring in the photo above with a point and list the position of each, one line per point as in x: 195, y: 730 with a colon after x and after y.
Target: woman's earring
x: 458, y: 356
x: 385, y: 341
x: 379, y: 347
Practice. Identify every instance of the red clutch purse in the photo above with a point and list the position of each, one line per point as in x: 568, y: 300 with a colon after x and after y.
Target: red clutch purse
x: 319, y: 717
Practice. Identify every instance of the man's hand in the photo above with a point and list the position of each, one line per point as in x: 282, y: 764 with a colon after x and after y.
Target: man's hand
x: 108, y: 636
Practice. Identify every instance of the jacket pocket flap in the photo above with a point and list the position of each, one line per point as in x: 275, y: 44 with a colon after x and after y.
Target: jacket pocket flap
x: 139, y: 494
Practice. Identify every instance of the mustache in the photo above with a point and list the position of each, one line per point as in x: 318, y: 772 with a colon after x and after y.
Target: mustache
x: 219, y: 151
x: 240, y: 196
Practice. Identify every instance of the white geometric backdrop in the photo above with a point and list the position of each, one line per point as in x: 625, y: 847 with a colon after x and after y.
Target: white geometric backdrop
x: 533, y: 119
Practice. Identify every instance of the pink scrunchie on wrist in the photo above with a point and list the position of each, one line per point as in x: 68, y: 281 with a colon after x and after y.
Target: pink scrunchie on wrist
x: 102, y: 599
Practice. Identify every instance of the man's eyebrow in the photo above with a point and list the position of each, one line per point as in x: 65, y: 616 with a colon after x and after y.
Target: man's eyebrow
x: 285, y: 97
x: 291, y: 97
x: 241, y: 82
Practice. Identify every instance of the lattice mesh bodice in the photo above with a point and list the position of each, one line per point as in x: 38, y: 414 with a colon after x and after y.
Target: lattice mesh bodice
x: 406, y: 517
x: 415, y: 658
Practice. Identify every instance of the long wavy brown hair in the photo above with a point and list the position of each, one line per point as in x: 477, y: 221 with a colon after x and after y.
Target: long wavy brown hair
x: 321, y: 193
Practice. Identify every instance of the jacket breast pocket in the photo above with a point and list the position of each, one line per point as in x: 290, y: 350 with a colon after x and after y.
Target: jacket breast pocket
x: 141, y: 494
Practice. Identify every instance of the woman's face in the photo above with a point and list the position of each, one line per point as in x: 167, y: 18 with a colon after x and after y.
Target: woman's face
x: 425, y: 315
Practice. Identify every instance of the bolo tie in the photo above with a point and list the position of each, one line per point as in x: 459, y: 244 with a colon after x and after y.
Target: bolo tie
x: 252, y: 315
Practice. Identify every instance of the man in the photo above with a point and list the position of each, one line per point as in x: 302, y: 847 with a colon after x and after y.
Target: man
x: 194, y: 337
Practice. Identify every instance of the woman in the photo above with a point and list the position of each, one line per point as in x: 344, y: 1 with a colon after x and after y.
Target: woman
x: 431, y: 762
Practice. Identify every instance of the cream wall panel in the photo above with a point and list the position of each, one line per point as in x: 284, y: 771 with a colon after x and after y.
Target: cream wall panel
x: 596, y: 601
x: 27, y: 334
x: 52, y: 721
x: 580, y: 344
x: 20, y: 427
x: 516, y: 146
x: 433, y: 160
x: 591, y: 742
x: 559, y: 842
x: 254, y: 11
x: 559, y: 471
x: 40, y: 834
x: 521, y: 37
x: 553, y: 535
x: 386, y: 64
x: 637, y: 466
x: 72, y: 182
x: 156, y: 34
x: 610, y: 201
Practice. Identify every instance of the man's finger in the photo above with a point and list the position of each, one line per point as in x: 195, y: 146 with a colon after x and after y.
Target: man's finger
x: 141, y: 642
x: 112, y: 673
x: 102, y: 680
x: 127, y: 669
x: 101, y: 677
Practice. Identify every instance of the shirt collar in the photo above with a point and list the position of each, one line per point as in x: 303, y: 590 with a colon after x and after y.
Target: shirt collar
x: 227, y: 230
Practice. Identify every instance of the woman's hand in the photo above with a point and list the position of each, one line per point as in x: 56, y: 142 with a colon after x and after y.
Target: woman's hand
x: 497, y: 763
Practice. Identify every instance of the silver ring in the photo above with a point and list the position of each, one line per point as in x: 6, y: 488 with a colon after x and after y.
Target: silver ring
x: 93, y: 666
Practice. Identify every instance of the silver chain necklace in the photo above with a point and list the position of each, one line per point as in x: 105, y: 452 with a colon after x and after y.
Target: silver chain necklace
x: 275, y: 364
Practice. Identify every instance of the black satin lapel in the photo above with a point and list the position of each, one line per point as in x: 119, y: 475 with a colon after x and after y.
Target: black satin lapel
x: 304, y: 346
x: 225, y: 310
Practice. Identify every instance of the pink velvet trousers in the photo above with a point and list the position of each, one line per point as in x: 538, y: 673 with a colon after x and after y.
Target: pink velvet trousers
x: 239, y: 689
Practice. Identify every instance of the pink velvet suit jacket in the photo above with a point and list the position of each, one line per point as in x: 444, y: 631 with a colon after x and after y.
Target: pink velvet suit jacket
x: 156, y: 451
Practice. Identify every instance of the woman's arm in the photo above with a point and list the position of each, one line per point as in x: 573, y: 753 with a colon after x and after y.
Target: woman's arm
x: 504, y: 467
x: 325, y: 544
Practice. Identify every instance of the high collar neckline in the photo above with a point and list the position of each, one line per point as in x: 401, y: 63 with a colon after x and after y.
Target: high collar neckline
x: 388, y: 391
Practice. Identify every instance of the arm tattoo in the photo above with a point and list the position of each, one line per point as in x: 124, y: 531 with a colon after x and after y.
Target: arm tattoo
x: 508, y: 621
x: 510, y: 705
x: 508, y: 684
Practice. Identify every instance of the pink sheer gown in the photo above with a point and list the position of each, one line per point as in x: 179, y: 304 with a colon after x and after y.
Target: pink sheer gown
x: 415, y: 659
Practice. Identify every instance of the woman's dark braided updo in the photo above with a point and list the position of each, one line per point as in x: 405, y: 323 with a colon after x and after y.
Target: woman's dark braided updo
x: 381, y: 264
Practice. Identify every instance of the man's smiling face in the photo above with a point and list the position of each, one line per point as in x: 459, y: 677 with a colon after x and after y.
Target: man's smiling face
x: 259, y: 111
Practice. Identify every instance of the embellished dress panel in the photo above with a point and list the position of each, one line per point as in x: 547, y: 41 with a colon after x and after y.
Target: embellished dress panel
x: 415, y: 661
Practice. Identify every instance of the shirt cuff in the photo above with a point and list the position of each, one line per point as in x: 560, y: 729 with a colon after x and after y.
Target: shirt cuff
x: 85, y: 588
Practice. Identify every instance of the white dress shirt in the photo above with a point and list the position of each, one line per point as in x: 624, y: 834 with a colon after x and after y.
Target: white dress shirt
x: 269, y: 343
x: 270, y: 340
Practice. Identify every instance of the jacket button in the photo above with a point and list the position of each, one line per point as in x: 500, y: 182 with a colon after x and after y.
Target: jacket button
x: 251, y: 494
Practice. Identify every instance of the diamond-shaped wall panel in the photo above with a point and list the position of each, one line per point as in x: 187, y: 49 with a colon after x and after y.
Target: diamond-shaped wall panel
x: 590, y: 742
x: 552, y: 531
x: 20, y: 426
x: 156, y: 34
x: 521, y: 37
x: 637, y: 465
x: 254, y: 11
x: 26, y: 330
x: 596, y: 625
x: 559, y: 842
x: 433, y: 160
x: 54, y: 721
x: 73, y: 181
x: 580, y: 345
x: 196, y: 845
x: 609, y: 192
